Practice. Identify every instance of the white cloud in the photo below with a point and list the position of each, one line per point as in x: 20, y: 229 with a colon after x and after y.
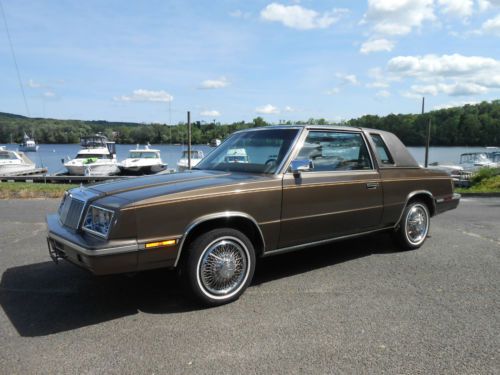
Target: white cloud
x: 215, y: 83
x: 298, y: 17
x: 383, y: 94
x: 487, y: 4
x: 460, y: 8
x: 49, y: 94
x: 452, y: 89
x: 453, y: 75
x: 455, y: 104
x: 142, y: 95
x: 492, y: 26
x: 347, y: 79
x: 33, y: 84
x: 376, y: 45
x: 240, y: 14
x: 441, y: 66
x: 288, y: 109
x: 210, y: 113
x: 398, y: 17
x: 333, y: 91
x: 268, y: 109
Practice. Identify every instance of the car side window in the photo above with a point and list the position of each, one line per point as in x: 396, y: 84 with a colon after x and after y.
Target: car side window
x: 335, y: 151
x: 382, y: 150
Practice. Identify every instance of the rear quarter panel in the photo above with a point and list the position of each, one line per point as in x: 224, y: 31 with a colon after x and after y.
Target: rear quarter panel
x: 399, y: 183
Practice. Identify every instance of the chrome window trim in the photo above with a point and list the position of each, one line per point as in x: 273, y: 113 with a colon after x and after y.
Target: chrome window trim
x: 290, y: 151
x: 93, y: 231
x: 379, y: 160
x: 308, y: 131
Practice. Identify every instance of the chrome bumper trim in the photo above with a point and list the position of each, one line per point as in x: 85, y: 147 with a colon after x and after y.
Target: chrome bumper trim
x: 100, y: 252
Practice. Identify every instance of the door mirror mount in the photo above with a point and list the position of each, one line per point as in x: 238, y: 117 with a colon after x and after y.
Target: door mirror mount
x: 300, y: 165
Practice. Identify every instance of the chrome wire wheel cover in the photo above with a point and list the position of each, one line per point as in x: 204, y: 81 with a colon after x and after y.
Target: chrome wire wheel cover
x: 417, y: 224
x: 223, y: 267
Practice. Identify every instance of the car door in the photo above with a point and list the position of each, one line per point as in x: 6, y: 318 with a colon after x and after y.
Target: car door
x: 340, y: 194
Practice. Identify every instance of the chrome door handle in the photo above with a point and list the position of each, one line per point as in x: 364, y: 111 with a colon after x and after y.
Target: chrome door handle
x: 372, y: 185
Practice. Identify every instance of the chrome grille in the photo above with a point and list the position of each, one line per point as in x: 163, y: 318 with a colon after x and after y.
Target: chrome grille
x: 71, y: 211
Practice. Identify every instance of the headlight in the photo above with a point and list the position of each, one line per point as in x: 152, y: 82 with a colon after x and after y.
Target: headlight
x: 98, y: 221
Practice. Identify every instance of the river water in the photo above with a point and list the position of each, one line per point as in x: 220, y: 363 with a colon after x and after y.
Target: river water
x: 50, y: 155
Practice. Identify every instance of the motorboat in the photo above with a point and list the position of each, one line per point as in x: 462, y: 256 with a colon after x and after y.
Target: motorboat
x: 476, y: 160
x: 448, y: 167
x: 236, y: 155
x: 97, y: 157
x: 28, y: 145
x: 14, y: 162
x: 142, y: 161
x: 215, y: 142
x: 196, y: 156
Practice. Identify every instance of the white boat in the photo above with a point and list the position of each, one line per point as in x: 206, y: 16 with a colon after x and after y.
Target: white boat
x: 97, y: 157
x: 196, y: 156
x: 13, y: 162
x: 475, y: 160
x: 215, y: 142
x: 142, y: 161
x: 28, y: 145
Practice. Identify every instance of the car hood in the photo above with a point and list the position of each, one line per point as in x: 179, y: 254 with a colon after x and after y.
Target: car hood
x: 174, y: 185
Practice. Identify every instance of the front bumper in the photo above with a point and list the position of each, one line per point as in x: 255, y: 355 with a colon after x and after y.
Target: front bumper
x: 97, y: 255
x: 446, y: 204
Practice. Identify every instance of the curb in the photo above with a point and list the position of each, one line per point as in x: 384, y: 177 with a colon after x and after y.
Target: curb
x: 481, y: 195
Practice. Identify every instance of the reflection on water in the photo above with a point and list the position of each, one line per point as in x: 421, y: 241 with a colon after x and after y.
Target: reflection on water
x: 50, y: 155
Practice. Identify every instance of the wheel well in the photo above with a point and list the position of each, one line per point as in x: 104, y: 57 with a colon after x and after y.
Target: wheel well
x: 427, y: 199
x: 244, y: 225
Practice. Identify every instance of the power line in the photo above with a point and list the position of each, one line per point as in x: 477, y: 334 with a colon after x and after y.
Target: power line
x: 14, y: 58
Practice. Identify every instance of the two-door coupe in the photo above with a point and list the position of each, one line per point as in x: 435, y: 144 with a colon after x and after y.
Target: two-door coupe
x: 263, y: 191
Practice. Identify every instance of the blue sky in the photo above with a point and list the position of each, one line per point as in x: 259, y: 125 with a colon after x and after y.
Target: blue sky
x: 151, y: 61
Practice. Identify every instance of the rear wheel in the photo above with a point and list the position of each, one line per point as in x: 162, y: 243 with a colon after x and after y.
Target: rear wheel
x: 219, y: 266
x: 414, y: 226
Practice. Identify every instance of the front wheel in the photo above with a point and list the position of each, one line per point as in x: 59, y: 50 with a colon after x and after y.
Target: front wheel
x: 414, y: 226
x: 219, y: 266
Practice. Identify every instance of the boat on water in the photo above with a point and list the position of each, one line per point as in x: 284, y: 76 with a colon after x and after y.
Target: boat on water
x: 97, y: 157
x: 196, y: 156
x: 142, y: 161
x: 215, y: 142
x: 28, y: 145
x: 14, y: 162
x: 475, y: 160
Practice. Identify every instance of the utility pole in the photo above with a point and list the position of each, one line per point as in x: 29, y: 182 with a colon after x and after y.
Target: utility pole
x: 428, y: 141
x: 189, y: 139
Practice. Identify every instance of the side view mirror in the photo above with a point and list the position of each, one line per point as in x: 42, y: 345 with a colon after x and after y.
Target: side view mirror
x: 300, y: 165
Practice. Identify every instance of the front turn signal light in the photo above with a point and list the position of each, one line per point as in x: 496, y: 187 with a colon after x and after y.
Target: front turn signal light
x: 150, y: 245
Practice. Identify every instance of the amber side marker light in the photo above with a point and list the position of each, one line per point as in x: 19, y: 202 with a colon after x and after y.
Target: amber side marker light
x: 150, y: 245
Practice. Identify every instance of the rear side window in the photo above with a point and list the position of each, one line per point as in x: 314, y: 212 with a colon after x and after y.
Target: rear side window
x: 382, y: 150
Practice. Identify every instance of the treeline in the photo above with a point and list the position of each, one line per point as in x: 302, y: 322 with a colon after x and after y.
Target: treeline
x: 470, y: 125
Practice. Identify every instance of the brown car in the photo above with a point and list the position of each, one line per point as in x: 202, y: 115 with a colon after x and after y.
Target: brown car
x: 263, y: 191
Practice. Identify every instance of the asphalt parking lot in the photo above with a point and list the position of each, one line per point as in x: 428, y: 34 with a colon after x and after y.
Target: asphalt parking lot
x: 356, y: 306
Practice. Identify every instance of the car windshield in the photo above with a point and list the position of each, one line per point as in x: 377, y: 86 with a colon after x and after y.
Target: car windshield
x: 143, y: 155
x: 260, y: 151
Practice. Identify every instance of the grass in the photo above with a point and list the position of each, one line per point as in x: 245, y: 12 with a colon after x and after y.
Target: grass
x: 13, y: 190
x: 486, y: 180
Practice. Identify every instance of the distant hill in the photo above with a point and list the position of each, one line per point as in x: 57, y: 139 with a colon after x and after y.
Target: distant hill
x: 469, y: 125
